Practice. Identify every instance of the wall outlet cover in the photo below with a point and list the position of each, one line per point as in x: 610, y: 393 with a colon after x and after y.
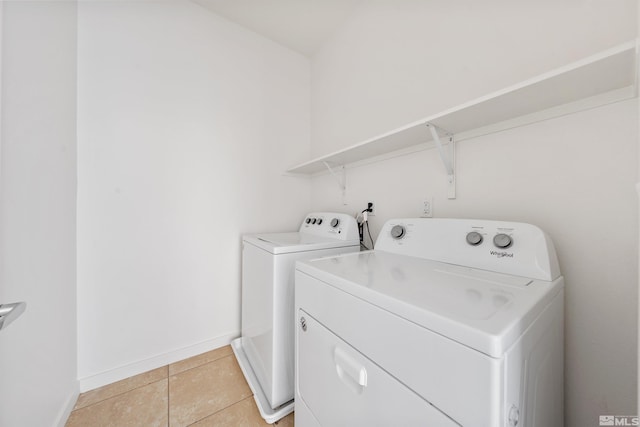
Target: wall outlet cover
x: 426, y: 207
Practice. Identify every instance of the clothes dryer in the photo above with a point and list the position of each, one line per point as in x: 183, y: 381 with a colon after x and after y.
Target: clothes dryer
x: 447, y: 322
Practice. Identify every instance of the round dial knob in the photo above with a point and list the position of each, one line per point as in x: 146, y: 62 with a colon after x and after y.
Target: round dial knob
x: 335, y: 222
x: 313, y: 220
x: 502, y: 241
x: 319, y: 221
x: 474, y: 238
x: 308, y: 220
x: 397, y: 232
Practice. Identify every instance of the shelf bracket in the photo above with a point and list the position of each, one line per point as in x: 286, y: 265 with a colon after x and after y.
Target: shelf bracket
x: 448, y: 157
x: 341, y: 177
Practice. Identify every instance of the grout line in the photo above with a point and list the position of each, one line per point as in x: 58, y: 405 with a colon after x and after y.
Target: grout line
x: 195, y: 367
x: 168, y: 375
x: 120, y: 394
x: 167, y: 378
x: 197, y: 355
x: 220, y: 410
x: 203, y: 364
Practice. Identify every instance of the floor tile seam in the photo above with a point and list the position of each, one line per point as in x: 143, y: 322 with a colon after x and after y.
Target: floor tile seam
x: 199, y: 366
x: 135, y: 388
x: 125, y: 392
x: 220, y: 410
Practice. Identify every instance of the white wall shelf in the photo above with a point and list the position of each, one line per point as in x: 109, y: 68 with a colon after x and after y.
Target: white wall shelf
x: 600, y: 79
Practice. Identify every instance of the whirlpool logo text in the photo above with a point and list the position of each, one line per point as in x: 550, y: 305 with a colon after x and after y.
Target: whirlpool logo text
x: 502, y: 254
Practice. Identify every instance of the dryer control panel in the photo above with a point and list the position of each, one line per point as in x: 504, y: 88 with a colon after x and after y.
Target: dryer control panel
x: 331, y: 225
x: 505, y: 247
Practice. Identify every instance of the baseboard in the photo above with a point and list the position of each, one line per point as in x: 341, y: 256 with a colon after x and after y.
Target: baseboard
x: 66, y: 409
x: 135, y: 368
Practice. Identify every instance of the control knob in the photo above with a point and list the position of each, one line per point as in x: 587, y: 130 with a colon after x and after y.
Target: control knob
x: 308, y: 220
x: 335, y: 222
x: 398, y: 231
x: 319, y: 221
x: 474, y: 238
x: 313, y: 220
x: 502, y: 241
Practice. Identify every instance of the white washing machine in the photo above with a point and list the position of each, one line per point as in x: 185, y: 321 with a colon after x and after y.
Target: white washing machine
x: 446, y: 323
x: 265, y: 349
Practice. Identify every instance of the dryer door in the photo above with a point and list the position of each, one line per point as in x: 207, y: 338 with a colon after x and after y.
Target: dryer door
x: 341, y: 387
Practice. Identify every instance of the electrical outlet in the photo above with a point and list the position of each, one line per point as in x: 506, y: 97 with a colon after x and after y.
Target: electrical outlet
x: 372, y: 206
x: 426, y: 208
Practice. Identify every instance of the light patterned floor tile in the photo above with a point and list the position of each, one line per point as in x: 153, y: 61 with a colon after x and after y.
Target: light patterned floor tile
x: 111, y: 390
x: 286, y: 421
x: 202, y: 391
x: 241, y: 414
x: 145, y: 406
x: 199, y: 360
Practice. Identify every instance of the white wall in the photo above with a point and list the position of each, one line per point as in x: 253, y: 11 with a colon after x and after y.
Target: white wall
x: 573, y: 176
x: 397, y: 62
x: 638, y: 194
x: 38, y: 383
x: 186, y: 124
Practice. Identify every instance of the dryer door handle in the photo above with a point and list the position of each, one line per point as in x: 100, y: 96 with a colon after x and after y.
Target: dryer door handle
x: 10, y: 312
x: 350, y: 370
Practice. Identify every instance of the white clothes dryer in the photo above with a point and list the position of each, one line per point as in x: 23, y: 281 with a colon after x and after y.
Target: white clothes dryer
x: 446, y: 323
x: 265, y: 349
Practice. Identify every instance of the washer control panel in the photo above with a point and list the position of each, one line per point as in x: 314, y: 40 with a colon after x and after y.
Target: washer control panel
x: 398, y: 231
x: 505, y: 247
x: 330, y: 224
x: 502, y: 240
x: 474, y: 238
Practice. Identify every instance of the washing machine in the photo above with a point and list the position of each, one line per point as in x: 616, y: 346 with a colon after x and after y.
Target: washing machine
x: 448, y: 322
x: 265, y: 349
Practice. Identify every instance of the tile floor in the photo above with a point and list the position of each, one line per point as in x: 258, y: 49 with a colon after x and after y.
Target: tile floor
x: 203, y: 391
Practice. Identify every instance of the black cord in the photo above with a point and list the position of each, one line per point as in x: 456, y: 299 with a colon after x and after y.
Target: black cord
x: 361, y: 229
x: 361, y: 232
x: 370, y: 238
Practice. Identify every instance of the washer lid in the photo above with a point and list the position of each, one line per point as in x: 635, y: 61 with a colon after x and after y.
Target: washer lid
x: 282, y: 243
x: 483, y: 310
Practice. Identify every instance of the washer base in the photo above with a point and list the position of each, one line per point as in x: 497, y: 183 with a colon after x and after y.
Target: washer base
x: 269, y: 414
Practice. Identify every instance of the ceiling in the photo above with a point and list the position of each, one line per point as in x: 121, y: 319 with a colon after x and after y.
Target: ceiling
x: 301, y: 25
